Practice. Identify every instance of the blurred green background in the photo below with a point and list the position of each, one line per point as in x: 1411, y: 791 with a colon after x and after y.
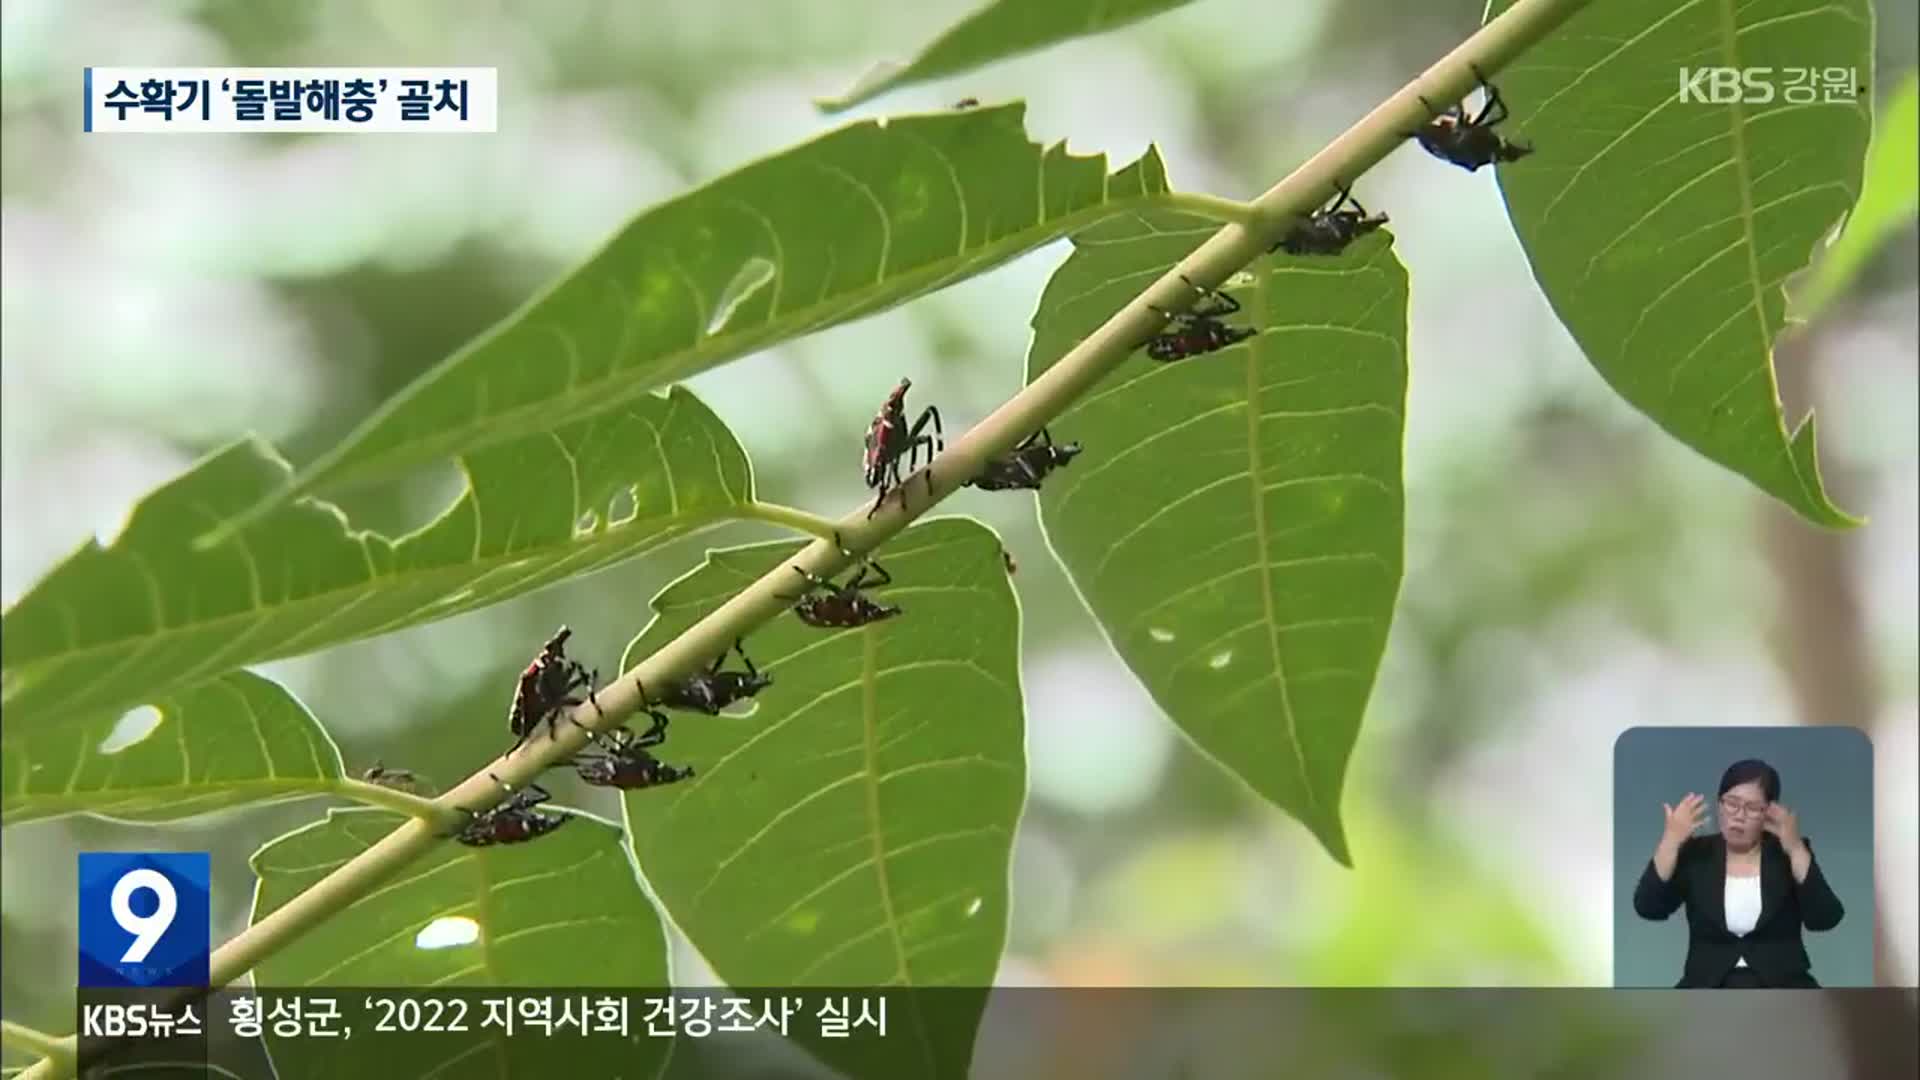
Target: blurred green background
x: 1570, y: 571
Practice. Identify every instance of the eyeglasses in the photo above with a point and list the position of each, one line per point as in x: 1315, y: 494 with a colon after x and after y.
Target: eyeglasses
x: 1735, y: 808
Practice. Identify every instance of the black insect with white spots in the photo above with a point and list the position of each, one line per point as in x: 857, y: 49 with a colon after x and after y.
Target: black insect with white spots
x: 515, y: 821
x: 1198, y: 330
x: 712, y: 690
x: 1026, y: 465
x: 1331, y: 228
x: 1470, y: 143
x: 623, y: 762
x: 829, y: 606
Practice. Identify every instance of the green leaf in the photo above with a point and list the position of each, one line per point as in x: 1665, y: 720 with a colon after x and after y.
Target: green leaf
x: 564, y: 910
x: 1002, y: 29
x: 1662, y: 229
x: 854, y: 222
x: 1887, y: 203
x: 857, y: 828
x: 238, y: 739
x: 1235, y: 522
x: 113, y: 627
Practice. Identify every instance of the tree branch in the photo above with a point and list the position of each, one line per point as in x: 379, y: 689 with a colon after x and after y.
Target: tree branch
x: 1236, y: 245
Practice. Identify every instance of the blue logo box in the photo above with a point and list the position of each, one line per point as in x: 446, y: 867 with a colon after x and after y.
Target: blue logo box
x: 144, y: 918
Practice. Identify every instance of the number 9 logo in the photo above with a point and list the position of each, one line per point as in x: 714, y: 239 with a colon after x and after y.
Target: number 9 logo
x: 147, y: 930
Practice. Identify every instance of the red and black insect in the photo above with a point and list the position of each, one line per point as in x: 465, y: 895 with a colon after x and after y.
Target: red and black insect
x: 1027, y: 464
x: 889, y: 438
x: 546, y: 689
x: 624, y: 762
x: 1330, y: 229
x: 1199, y: 330
x: 967, y: 103
x: 515, y: 821
x: 829, y: 606
x: 1470, y: 143
x: 713, y: 690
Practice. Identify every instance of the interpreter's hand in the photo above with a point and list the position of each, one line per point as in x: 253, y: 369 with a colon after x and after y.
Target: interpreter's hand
x: 1783, y: 824
x: 1683, y: 819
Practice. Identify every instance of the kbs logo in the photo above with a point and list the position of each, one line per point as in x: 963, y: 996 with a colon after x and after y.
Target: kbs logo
x: 1725, y: 85
x: 1761, y: 85
x: 144, y: 918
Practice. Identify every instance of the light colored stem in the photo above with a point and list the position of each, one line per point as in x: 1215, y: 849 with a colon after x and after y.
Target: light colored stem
x: 24, y: 1038
x: 1360, y: 148
x: 1213, y: 206
x: 775, y: 514
x: 399, y: 801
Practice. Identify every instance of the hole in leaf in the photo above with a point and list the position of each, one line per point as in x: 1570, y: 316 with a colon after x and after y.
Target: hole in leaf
x: 740, y: 710
x: 1220, y: 659
x: 752, y: 276
x: 622, y: 507
x: 447, y: 932
x: 586, y: 522
x: 974, y: 907
x: 1160, y: 634
x: 134, y: 726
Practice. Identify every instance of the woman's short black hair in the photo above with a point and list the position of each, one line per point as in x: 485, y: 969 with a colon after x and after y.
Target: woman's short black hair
x: 1750, y: 771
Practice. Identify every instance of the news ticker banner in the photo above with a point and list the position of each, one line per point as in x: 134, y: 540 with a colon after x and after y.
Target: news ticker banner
x: 174, y: 100
x: 393, y: 1032
x: 1050, y: 1033
x: 143, y: 1009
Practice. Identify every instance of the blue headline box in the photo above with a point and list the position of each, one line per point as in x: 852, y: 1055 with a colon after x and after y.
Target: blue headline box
x: 144, y: 918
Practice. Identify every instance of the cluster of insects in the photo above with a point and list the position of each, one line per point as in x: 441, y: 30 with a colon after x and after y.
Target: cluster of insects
x: 552, y: 685
x: 1453, y: 135
x: 547, y: 690
x: 889, y: 437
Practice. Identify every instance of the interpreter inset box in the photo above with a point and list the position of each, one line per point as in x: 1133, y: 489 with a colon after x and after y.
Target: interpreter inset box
x: 1743, y: 857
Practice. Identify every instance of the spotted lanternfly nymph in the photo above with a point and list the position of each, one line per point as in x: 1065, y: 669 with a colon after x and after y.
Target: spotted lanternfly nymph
x: 889, y: 438
x: 625, y: 764
x: 713, y: 690
x: 546, y: 689
x: 398, y: 779
x: 1452, y: 137
x: 830, y: 606
x: 1199, y: 330
x: 512, y: 822
x: 1027, y: 465
x: 1330, y: 229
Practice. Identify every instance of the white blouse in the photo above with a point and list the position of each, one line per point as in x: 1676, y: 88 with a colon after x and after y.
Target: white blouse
x: 1743, y: 907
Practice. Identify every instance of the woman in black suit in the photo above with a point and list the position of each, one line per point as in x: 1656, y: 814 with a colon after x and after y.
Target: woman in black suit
x: 1747, y: 890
